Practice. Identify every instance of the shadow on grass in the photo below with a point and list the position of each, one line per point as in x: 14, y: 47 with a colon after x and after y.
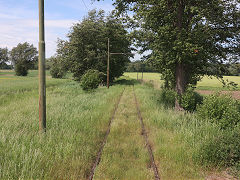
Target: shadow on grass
x: 127, y: 82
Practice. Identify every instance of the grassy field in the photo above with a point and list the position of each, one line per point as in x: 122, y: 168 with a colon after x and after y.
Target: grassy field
x: 205, y: 84
x: 76, y: 125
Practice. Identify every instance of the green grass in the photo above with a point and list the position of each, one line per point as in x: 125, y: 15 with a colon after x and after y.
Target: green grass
x: 125, y: 155
x: 76, y: 124
x: 178, y: 138
x: 205, y: 84
x: 9, y: 83
x: 214, y: 84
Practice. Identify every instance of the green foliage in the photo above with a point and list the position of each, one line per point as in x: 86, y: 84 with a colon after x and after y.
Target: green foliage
x: 87, y: 45
x: 166, y: 97
x: 21, y: 69
x: 234, y: 69
x: 3, y: 57
x: 90, y: 80
x: 221, y: 150
x: 23, y: 57
x: 58, y: 69
x: 190, y: 99
x: 140, y: 66
x: 186, y: 35
x: 220, y: 109
x: 73, y: 136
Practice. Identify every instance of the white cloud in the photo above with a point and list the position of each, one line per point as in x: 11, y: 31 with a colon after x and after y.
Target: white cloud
x: 19, y: 21
x: 14, y: 31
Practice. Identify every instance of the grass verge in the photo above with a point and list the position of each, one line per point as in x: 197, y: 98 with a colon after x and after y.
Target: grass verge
x: 178, y: 138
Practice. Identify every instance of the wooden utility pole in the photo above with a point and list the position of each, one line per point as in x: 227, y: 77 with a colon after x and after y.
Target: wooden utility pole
x: 108, y: 62
x: 41, y: 69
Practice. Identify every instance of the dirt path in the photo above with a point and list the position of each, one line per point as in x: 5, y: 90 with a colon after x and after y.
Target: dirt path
x: 126, y: 153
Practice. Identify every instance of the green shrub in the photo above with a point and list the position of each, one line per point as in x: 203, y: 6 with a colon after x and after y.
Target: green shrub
x: 103, y: 78
x: 190, y: 99
x: 90, y: 80
x: 57, y: 71
x: 222, y: 149
x: 220, y: 109
x: 58, y: 68
x: 21, y: 69
x: 167, y: 97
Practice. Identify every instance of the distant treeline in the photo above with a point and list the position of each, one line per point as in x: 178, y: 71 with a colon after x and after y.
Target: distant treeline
x: 232, y: 69
x: 143, y: 66
x: 140, y: 66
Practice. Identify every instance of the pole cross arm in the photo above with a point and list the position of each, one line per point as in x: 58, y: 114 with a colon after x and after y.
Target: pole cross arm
x: 122, y: 53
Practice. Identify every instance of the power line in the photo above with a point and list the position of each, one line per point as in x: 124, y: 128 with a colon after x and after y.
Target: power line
x: 85, y: 5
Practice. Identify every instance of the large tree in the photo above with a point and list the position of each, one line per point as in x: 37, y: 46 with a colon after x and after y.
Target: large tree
x: 23, y: 57
x: 187, y: 36
x: 3, y: 57
x: 86, y: 47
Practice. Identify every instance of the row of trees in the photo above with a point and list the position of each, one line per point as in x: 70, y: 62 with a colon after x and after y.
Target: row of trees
x: 22, y: 57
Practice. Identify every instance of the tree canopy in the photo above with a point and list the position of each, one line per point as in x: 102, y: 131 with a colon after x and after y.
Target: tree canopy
x: 3, y: 57
x: 86, y: 47
x: 23, y: 57
x: 186, y: 36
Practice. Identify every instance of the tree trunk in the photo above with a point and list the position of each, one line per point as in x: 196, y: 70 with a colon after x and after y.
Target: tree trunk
x: 180, y: 84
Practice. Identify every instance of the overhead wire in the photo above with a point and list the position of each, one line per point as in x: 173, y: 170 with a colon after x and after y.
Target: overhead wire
x: 85, y: 5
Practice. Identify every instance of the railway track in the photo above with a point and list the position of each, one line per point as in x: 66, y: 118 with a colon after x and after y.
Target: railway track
x: 96, y: 162
x: 143, y: 133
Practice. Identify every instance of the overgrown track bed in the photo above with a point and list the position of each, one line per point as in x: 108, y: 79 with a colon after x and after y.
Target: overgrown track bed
x: 98, y: 158
x: 144, y: 133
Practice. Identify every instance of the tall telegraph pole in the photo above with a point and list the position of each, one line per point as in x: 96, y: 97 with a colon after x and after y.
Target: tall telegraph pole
x: 41, y: 69
x: 108, y: 63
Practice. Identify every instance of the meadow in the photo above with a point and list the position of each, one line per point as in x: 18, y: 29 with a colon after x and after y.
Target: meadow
x: 206, y: 83
x: 77, y: 122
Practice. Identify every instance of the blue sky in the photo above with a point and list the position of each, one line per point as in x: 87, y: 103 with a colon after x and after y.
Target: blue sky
x: 19, y: 20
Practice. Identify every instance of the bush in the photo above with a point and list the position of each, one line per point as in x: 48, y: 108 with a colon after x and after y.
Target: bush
x: 103, y: 78
x: 222, y: 149
x: 58, y: 68
x: 57, y: 71
x: 190, y: 99
x: 90, y: 80
x: 220, y: 109
x: 21, y: 69
x: 167, y: 97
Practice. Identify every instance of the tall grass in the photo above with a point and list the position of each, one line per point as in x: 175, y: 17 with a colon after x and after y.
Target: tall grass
x: 125, y: 155
x: 76, y: 123
x: 179, y: 139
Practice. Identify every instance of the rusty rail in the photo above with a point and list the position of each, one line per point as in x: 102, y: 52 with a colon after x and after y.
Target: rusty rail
x: 144, y: 133
x: 98, y: 158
